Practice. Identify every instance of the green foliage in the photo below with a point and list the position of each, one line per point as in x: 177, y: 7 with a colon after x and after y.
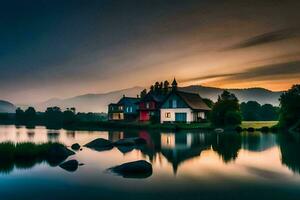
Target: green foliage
x: 290, y: 107
x: 143, y: 93
x: 23, y: 155
x: 158, y: 88
x: 233, y: 117
x: 30, y: 114
x: 253, y: 111
x: 226, y: 111
x: 69, y: 116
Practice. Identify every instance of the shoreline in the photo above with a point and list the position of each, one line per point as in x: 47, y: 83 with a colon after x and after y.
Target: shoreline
x: 110, y: 125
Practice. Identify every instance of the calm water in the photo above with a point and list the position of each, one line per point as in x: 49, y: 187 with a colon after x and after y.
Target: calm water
x: 186, y: 165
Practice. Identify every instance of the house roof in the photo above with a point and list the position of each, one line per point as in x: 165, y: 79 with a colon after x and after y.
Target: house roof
x: 154, y: 96
x: 128, y: 100
x: 193, y: 100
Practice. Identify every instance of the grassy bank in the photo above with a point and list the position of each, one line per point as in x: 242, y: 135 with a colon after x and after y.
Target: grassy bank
x: 258, y: 124
x: 26, y: 155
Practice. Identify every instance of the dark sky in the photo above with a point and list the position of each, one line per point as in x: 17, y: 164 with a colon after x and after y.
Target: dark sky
x: 63, y: 48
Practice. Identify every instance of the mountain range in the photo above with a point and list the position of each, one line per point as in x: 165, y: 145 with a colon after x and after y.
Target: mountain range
x: 7, y: 107
x: 99, y: 102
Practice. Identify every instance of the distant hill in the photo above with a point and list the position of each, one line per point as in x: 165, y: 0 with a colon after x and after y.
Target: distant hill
x: 90, y: 102
x: 260, y: 95
x: 7, y: 107
x: 99, y: 102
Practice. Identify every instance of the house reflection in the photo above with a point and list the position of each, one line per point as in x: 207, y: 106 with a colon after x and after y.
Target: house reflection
x: 70, y: 134
x: 52, y: 136
x: 114, y: 136
x: 177, y: 148
x: 30, y: 135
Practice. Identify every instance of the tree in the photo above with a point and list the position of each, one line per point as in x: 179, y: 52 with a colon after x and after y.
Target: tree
x: 30, y: 114
x: 268, y: 112
x: 143, y: 93
x: 253, y: 111
x: 166, y: 87
x: 226, y: 110
x: 250, y: 111
x: 19, y: 115
x: 290, y: 107
x: 69, y: 116
x: 53, y: 116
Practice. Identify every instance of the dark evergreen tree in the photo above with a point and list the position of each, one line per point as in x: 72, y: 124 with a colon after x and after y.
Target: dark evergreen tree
x: 143, y: 93
x: 226, y: 110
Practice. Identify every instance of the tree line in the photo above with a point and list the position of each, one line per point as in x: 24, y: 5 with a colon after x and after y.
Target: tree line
x: 227, y: 111
x: 55, y: 116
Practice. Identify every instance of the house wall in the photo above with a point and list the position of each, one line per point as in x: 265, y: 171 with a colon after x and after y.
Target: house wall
x: 172, y: 111
x: 116, y: 116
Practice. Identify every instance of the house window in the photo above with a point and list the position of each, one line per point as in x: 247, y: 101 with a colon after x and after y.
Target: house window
x: 130, y: 109
x: 174, y: 103
x: 120, y: 107
x: 201, y: 115
x: 147, y: 105
x: 168, y: 115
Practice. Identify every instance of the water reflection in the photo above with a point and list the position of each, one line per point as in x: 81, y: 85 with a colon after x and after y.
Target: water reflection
x: 290, y: 148
x: 174, y: 148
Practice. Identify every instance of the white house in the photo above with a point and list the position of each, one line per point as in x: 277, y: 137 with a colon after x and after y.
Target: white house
x: 183, y: 107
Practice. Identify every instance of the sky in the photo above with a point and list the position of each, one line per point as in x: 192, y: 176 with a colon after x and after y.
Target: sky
x: 64, y: 48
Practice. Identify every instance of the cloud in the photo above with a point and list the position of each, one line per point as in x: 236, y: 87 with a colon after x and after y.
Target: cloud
x: 277, y: 71
x: 266, y: 38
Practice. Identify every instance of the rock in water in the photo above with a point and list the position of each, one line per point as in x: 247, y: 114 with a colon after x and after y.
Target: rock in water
x: 99, y: 144
x: 130, y: 141
x: 57, y: 153
x: 136, y: 169
x: 75, y: 146
x: 70, y: 166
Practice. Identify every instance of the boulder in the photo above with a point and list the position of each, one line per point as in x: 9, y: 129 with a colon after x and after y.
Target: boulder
x: 70, y: 166
x: 99, y: 144
x: 125, y: 149
x: 75, y: 146
x: 136, y: 169
x: 57, y: 153
x: 130, y: 141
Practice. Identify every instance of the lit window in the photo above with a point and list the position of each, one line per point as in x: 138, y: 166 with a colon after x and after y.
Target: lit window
x: 168, y: 115
x: 147, y: 105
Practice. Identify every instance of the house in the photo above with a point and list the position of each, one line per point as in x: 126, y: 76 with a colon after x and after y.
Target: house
x: 149, y: 106
x: 181, y: 106
x: 124, y: 110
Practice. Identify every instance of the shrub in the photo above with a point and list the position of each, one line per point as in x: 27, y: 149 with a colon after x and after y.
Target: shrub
x: 233, y: 118
x: 265, y: 129
x: 250, y: 129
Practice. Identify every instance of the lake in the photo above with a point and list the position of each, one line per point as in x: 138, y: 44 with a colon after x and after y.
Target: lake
x: 186, y: 165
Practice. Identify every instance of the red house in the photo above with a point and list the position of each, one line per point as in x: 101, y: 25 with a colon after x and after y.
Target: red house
x: 149, y: 106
